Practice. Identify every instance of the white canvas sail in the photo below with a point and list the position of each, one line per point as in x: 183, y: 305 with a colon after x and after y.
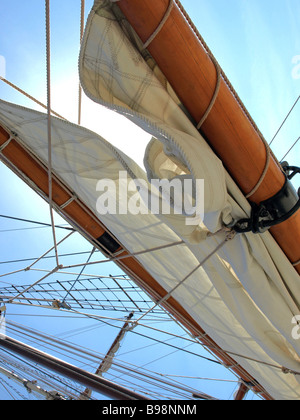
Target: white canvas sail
x: 214, y: 295
x: 246, y: 295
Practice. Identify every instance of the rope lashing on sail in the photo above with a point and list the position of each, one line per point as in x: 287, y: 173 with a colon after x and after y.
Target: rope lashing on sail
x: 4, y: 145
x: 216, y: 64
x: 214, y: 98
x: 160, y: 26
x: 265, y: 171
x: 287, y: 371
x: 68, y: 202
x: 222, y: 75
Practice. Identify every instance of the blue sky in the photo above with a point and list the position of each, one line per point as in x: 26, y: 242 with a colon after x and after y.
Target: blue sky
x: 256, y: 42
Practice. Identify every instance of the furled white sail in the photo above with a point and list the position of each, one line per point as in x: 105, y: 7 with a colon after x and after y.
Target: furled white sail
x: 247, y: 294
x: 251, y: 276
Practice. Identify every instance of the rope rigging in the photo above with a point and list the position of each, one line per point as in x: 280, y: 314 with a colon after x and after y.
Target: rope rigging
x: 35, y: 222
x: 120, y: 366
x: 62, y: 301
x: 49, y: 123
x: 284, y: 121
x: 289, y: 151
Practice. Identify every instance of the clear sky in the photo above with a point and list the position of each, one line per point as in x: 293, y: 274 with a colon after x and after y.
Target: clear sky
x: 256, y: 42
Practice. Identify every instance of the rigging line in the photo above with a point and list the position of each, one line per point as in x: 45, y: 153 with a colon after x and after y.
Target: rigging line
x: 173, y: 336
x: 26, y: 381
x: 290, y: 149
x: 94, y: 357
x: 171, y: 386
x: 165, y: 355
x: 82, y: 14
x: 181, y: 376
x: 11, y: 273
x: 22, y: 229
x: 129, y: 255
x: 284, y: 121
x: 39, y: 369
x: 94, y: 317
x: 101, y: 319
x: 86, y: 353
x: 106, y: 319
x: 48, y: 71
x: 78, y: 331
x: 131, y: 375
x: 41, y: 303
x: 51, y: 249
x: 36, y: 261
x: 140, y: 371
x: 79, y: 275
x: 72, y: 254
x: 91, y: 276
x: 209, y: 346
x: 41, y: 343
x: 167, y: 296
x: 198, y: 378
x: 33, y: 394
x: 35, y: 222
x: 46, y: 316
x: 2, y: 381
x: 116, y: 366
x: 124, y: 291
x: 34, y: 284
x: 30, y: 97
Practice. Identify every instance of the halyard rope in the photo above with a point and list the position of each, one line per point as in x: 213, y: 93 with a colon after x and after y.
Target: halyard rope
x: 48, y: 65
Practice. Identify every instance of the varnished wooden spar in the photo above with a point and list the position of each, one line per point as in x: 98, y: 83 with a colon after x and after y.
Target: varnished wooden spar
x: 242, y: 392
x: 85, y: 378
x: 15, y: 155
x: 233, y: 136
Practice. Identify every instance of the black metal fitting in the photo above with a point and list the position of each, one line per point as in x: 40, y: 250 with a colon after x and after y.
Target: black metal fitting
x: 107, y: 244
x: 275, y: 210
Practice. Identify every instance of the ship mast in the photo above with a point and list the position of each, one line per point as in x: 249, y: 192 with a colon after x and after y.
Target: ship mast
x: 89, y: 380
x: 108, y: 359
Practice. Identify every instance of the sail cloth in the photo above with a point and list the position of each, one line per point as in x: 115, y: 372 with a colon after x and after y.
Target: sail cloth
x: 250, y: 281
x: 215, y: 295
x: 246, y: 295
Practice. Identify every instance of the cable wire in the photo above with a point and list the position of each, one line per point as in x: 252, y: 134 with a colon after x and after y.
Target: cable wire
x: 286, y: 118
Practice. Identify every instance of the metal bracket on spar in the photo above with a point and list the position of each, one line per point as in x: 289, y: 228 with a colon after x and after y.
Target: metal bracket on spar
x: 275, y: 210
